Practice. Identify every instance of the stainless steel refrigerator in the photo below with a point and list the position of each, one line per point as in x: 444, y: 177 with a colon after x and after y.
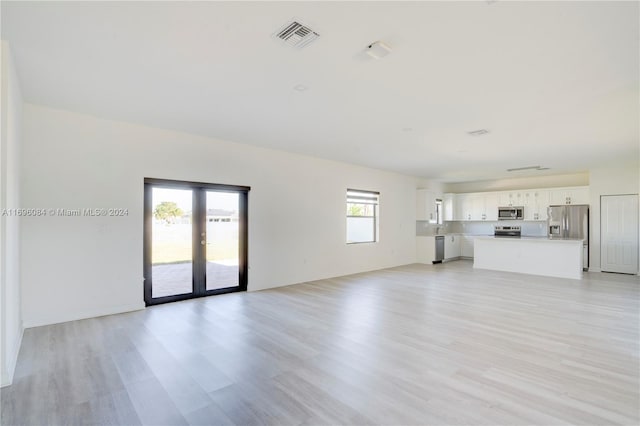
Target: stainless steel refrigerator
x: 570, y: 222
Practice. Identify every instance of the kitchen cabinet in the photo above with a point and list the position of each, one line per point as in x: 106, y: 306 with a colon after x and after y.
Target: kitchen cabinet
x: 483, y: 206
x: 477, y: 206
x: 535, y: 204
x: 452, y: 246
x: 510, y: 198
x: 463, y: 206
x: 573, y: 195
x: 448, y: 206
x: 466, y: 247
x: 491, y: 206
x: 426, y: 205
x: 476, y: 202
x: 425, y: 249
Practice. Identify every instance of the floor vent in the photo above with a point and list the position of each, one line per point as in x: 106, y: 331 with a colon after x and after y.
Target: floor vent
x: 297, y: 35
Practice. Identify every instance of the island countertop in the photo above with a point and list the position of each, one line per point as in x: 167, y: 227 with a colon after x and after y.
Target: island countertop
x: 536, y: 239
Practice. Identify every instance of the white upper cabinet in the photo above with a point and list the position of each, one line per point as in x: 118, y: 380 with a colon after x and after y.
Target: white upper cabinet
x: 535, y: 204
x: 574, y: 195
x: 449, y: 206
x: 511, y: 198
x: 476, y: 206
x: 425, y: 205
x: 462, y: 209
x: 491, y: 206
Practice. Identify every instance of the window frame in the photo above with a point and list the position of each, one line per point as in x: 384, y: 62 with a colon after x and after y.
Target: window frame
x: 439, y: 206
x: 365, y: 195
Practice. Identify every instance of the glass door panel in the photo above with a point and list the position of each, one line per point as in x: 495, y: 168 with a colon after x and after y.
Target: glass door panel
x: 222, y: 251
x: 195, y: 240
x: 171, y: 241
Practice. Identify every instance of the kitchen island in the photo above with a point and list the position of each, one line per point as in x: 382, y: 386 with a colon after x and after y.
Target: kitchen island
x: 534, y: 255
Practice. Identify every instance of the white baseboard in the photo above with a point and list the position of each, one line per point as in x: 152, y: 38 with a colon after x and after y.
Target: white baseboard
x: 73, y: 316
x: 592, y: 269
x: 7, y: 375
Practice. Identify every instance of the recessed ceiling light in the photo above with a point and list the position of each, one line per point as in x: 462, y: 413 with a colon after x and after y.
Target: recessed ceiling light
x: 378, y: 50
x: 478, y: 132
x: 300, y: 87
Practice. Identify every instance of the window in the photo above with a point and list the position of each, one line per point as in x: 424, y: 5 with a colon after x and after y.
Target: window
x: 439, y: 216
x: 362, y: 216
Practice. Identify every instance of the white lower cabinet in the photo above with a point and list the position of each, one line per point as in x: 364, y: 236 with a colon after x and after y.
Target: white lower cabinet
x: 452, y: 246
x: 466, y: 249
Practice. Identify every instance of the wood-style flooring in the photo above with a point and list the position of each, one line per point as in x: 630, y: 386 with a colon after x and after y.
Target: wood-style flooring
x: 414, y: 345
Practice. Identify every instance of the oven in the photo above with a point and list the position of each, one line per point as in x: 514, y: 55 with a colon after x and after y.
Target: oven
x: 513, y: 231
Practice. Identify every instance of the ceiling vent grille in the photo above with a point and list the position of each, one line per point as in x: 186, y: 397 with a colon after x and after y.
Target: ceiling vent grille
x: 297, y: 35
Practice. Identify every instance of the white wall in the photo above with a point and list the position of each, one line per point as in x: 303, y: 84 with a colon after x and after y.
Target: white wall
x: 10, y: 305
x: 612, y: 179
x: 551, y: 181
x: 75, y: 267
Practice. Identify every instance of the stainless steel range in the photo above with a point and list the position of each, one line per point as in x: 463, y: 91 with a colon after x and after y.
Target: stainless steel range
x: 512, y: 231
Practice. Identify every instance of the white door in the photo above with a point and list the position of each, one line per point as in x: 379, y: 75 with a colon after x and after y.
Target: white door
x: 619, y: 233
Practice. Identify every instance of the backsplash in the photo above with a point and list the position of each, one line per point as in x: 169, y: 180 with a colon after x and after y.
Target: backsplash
x: 529, y: 229
x: 424, y: 228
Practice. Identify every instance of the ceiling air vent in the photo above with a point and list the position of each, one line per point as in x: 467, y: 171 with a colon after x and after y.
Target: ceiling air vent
x: 296, y: 35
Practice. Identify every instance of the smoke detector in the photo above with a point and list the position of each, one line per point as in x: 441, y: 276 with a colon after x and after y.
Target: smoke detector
x: 378, y: 50
x: 296, y: 34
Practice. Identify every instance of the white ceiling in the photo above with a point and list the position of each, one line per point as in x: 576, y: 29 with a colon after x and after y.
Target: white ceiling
x: 556, y: 83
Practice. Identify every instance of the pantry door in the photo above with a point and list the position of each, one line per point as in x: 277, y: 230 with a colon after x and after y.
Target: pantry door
x: 619, y: 233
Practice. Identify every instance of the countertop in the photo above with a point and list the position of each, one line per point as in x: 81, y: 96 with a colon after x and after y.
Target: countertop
x: 534, y: 239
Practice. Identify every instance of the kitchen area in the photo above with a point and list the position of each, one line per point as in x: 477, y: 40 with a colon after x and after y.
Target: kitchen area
x: 541, y: 231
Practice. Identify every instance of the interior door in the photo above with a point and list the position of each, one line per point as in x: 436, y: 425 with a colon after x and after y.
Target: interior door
x: 619, y: 233
x: 195, y: 240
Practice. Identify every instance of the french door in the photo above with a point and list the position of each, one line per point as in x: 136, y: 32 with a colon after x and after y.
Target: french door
x: 195, y: 240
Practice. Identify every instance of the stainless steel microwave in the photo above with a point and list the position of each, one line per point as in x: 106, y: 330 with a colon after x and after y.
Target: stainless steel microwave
x: 510, y: 213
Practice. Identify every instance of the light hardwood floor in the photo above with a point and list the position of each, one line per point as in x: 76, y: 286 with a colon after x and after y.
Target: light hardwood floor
x: 418, y: 344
